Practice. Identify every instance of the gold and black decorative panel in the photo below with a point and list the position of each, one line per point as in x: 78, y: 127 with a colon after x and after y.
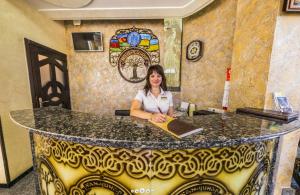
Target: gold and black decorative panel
x: 72, y: 168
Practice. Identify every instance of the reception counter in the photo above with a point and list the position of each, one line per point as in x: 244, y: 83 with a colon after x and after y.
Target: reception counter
x: 83, y: 153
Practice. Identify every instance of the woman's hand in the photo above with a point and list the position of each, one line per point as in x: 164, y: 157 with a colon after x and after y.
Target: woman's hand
x: 171, y: 112
x: 173, y: 115
x: 157, y: 117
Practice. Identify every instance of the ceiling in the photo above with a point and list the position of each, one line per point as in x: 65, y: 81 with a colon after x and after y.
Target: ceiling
x: 117, y: 9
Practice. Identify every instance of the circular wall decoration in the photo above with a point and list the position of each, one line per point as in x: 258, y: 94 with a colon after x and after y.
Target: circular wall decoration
x: 194, y: 50
x: 133, y: 39
x: 133, y: 64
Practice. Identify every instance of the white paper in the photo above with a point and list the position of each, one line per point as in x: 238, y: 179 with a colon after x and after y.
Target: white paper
x: 184, y: 106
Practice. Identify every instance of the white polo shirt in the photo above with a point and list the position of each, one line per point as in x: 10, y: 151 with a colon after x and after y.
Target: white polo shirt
x: 153, y: 104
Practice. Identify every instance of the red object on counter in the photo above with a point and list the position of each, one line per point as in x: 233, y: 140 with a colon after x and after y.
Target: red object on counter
x: 226, y: 90
x: 228, y: 74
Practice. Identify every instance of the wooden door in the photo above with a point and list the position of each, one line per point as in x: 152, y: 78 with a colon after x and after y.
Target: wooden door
x: 48, y: 75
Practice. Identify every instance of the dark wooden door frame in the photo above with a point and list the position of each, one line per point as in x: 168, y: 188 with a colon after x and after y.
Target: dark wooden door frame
x: 35, y: 104
x: 30, y: 62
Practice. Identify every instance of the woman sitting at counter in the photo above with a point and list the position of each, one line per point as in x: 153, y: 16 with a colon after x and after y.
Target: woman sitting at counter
x: 154, y: 101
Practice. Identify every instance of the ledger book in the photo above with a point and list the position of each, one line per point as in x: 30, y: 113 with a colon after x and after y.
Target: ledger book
x: 177, y: 127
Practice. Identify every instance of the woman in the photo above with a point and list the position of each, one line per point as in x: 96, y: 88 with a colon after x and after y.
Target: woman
x: 154, y: 101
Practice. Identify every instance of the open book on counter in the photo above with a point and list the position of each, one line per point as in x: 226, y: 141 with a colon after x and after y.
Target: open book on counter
x: 177, y: 127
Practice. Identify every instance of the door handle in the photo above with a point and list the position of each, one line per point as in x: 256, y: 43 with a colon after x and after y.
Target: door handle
x: 41, y: 102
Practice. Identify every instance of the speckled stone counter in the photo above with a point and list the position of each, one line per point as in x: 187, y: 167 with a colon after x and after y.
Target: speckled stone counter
x: 83, y: 153
x: 128, y: 132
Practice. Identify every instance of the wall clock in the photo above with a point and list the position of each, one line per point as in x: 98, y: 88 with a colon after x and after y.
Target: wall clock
x: 194, y: 50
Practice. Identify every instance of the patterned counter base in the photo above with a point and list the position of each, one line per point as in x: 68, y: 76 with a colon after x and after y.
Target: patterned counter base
x: 77, y: 169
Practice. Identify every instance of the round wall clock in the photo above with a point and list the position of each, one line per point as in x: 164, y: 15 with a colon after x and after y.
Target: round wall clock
x: 194, y: 50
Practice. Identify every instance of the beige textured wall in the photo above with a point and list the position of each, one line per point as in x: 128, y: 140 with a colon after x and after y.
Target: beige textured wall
x: 107, y: 90
x: 18, y: 20
x: 285, y: 64
x: 203, y: 81
x: 253, y: 39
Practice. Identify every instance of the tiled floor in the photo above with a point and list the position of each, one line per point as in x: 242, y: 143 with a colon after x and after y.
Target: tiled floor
x: 24, y: 187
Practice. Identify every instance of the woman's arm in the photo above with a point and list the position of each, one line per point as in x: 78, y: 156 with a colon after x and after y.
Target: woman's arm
x: 135, y: 110
x: 171, y: 111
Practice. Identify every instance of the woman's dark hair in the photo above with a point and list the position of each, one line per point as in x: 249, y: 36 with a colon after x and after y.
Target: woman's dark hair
x: 158, y: 69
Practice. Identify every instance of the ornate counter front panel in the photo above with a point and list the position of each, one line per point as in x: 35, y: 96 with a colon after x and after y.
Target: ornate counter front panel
x: 72, y: 168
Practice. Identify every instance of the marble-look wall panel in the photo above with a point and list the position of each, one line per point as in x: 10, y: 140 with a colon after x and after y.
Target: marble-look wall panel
x: 203, y: 81
x: 172, y: 52
x: 106, y: 90
x: 285, y: 64
x: 253, y: 40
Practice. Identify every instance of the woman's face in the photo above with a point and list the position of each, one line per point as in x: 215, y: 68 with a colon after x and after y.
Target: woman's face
x: 155, y: 79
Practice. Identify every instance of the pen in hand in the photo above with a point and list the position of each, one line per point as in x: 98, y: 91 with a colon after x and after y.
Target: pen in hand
x: 159, y: 110
x: 163, y: 117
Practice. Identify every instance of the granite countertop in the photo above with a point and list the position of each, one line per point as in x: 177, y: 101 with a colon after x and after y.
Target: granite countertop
x: 129, y: 132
